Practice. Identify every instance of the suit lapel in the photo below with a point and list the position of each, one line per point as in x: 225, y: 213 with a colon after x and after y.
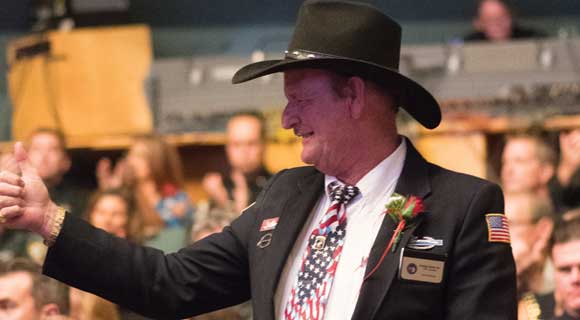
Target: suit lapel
x: 294, y: 214
x: 413, y: 181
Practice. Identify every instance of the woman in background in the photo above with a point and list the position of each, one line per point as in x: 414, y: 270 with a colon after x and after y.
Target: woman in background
x: 152, y: 171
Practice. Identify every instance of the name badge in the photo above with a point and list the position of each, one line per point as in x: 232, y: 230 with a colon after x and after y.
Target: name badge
x: 421, y: 266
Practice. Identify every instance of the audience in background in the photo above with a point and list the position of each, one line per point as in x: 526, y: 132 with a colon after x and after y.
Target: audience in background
x: 26, y: 294
x: 566, y: 257
x: 152, y: 170
x: 527, y: 165
x: 47, y: 153
x: 240, y: 185
x: 531, y: 223
x: 495, y: 21
x: 113, y: 210
x: 565, y: 184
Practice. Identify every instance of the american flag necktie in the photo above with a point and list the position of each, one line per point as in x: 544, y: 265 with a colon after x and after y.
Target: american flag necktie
x: 310, y: 292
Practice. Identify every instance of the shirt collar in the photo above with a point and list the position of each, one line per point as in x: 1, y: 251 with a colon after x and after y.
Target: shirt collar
x: 386, y: 171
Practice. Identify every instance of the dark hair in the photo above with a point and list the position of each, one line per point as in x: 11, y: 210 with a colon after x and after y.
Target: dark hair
x: 44, y: 290
x: 134, y: 225
x: 568, y: 227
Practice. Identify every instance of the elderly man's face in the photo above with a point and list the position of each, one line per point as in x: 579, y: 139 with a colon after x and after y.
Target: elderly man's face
x: 16, y: 301
x: 566, y: 257
x: 522, y: 170
x: 319, y: 116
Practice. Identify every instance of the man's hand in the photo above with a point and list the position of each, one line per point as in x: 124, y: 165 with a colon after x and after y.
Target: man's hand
x: 24, y: 199
x: 109, y: 177
x: 570, y: 155
x: 212, y: 184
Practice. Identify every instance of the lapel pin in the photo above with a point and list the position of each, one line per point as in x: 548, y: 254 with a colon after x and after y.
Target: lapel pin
x: 264, y: 241
x: 424, y: 243
x: 269, y: 224
x: 319, y: 243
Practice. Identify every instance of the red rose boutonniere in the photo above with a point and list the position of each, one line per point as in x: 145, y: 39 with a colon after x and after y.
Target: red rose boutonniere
x: 402, y: 210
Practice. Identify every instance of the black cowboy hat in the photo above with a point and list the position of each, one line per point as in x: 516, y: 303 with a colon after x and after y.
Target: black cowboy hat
x: 354, y: 39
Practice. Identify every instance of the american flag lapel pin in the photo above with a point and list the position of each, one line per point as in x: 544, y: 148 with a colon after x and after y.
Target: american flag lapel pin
x: 269, y: 224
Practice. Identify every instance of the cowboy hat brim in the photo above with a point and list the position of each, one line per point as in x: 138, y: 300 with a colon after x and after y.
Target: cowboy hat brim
x: 418, y: 102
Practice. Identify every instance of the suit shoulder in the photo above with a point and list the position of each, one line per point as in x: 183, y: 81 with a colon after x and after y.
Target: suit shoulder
x: 449, y: 179
x: 296, y: 173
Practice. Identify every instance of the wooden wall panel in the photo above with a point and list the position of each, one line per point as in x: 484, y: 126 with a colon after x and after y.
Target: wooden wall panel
x: 92, y: 83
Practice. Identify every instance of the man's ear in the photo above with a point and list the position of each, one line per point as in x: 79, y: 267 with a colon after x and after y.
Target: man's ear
x: 50, y: 309
x: 66, y: 164
x: 355, y: 96
x: 546, y: 173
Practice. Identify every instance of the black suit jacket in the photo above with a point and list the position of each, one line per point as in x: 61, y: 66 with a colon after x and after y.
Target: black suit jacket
x: 229, y: 267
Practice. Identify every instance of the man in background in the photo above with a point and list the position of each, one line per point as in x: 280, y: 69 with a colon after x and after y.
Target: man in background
x: 565, y: 184
x: 566, y: 257
x: 531, y: 222
x: 48, y: 154
x: 527, y: 165
x: 495, y: 22
x: 26, y: 294
x: 241, y: 184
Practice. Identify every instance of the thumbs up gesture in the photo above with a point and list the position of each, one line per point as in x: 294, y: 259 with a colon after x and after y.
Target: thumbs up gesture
x: 24, y: 199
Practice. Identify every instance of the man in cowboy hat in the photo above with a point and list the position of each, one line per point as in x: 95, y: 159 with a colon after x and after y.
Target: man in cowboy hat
x: 318, y: 242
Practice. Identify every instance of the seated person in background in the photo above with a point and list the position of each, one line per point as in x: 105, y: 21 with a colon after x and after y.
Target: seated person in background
x: 566, y: 257
x: 495, y: 22
x: 527, y: 165
x: 153, y: 172
x: 565, y: 184
x: 531, y: 223
x: 113, y: 211
x: 47, y: 153
x: 246, y: 176
x: 26, y: 294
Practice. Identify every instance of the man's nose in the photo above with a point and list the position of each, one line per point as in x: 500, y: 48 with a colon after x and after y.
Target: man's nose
x: 289, y: 117
x: 575, y: 274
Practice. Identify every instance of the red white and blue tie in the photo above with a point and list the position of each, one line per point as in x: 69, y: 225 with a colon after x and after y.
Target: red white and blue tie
x: 310, y: 292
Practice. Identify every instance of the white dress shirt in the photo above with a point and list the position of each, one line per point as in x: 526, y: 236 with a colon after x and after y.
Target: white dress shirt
x: 364, y: 217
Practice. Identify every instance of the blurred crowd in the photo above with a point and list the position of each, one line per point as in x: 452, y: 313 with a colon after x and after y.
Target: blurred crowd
x: 140, y: 197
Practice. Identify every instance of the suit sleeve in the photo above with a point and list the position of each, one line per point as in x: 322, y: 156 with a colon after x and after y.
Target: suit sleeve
x: 208, y: 275
x: 482, y: 281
